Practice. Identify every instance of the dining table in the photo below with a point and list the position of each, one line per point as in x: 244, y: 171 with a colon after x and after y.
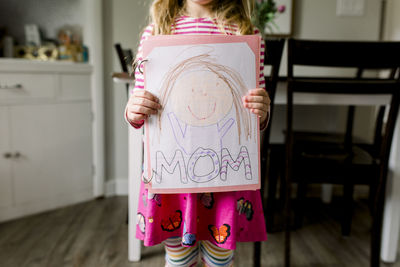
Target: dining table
x: 391, y: 220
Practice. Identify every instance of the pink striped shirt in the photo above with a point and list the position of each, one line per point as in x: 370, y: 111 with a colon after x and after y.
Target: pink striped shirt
x: 189, y: 25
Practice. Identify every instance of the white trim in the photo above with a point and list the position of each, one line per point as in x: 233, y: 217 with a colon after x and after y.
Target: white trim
x: 32, y: 66
x: 110, y: 188
x: 135, y: 160
x: 44, y: 205
x: 116, y: 187
x: 93, y: 35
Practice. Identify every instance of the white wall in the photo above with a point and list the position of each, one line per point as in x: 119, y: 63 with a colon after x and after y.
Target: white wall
x: 123, y: 22
x: 392, y: 22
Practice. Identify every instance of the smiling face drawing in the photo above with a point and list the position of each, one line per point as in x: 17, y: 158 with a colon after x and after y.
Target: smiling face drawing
x: 201, y: 98
x: 201, y: 92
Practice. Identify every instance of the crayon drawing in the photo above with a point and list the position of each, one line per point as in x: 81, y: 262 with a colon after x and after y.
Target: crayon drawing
x: 203, y: 139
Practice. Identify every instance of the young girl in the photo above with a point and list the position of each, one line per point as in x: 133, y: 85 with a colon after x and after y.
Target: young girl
x: 207, y: 225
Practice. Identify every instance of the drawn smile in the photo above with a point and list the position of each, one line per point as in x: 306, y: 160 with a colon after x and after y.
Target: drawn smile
x: 205, y: 117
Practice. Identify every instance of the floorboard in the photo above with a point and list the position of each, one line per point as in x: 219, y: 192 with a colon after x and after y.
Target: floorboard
x: 94, y: 234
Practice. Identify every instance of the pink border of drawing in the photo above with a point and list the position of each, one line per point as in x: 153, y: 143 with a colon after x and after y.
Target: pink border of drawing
x: 254, y: 43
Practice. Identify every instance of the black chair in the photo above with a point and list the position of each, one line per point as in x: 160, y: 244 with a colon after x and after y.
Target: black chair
x: 125, y: 57
x: 313, y: 141
x: 348, y: 164
x: 272, y: 58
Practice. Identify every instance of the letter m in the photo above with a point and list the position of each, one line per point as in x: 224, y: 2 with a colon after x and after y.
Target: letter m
x: 177, y: 160
x: 226, y: 159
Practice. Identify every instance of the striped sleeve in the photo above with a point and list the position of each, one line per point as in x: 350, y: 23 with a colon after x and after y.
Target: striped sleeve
x: 262, y: 77
x: 139, y: 78
x: 262, y: 54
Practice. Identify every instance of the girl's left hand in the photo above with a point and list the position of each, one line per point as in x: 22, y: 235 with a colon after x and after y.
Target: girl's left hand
x: 258, y: 102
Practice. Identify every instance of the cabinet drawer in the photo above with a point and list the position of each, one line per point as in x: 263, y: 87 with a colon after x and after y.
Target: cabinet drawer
x: 75, y: 87
x: 15, y: 86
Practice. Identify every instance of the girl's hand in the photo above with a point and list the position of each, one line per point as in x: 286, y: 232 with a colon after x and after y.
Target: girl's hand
x: 141, y: 105
x: 258, y: 102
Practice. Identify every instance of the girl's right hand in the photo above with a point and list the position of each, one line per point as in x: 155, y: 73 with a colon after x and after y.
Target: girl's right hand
x: 141, y: 105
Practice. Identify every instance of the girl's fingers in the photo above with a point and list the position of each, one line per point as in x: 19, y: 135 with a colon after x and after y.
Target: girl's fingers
x: 260, y: 99
x: 258, y: 112
x: 146, y: 103
x: 135, y: 117
x: 255, y: 105
x: 258, y: 95
x: 142, y: 110
x: 145, y: 94
x: 258, y: 91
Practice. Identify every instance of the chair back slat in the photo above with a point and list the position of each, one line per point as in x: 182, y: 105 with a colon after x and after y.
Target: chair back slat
x: 125, y: 57
x: 272, y: 57
x: 367, y: 55
x: 363, y: 55
x: 344, y: 86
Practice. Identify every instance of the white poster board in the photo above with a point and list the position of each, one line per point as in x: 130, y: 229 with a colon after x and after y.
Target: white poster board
x: 203, y: 139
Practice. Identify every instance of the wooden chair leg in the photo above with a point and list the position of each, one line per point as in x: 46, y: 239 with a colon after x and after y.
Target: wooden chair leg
x: 372, y: 194
x: 271, y: 205
x: 348, y: 208
x: 377, y: 221
x: 257, y: 254
x: 376, y: 241
x: 301, y: 195
x: 287, y: 220
x: 287, y: 230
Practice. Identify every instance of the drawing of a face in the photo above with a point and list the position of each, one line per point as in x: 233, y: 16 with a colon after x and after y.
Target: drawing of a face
x: 201, y: 98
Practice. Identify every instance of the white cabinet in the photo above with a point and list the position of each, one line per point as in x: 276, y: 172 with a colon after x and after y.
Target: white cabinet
x: 5, y: 166
x: 46, y: 137
x: 54, y: 143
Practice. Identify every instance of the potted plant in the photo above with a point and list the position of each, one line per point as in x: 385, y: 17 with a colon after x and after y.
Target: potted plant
x: 264, y: 15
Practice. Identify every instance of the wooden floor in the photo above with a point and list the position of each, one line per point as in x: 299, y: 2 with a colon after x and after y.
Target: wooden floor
x: 94, y: 234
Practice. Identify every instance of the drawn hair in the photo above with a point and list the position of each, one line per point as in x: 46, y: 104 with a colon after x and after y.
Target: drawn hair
x: 226, y: 12
x: 229, y: 76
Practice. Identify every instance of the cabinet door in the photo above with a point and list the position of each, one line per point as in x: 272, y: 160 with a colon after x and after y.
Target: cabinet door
x: 5, y: 162
x: 55, y: 144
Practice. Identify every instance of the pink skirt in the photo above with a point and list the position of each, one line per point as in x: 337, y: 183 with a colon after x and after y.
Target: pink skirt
x: 222, y: 218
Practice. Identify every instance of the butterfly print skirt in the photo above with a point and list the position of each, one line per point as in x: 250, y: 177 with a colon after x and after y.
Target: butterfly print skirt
x: 222, y: 218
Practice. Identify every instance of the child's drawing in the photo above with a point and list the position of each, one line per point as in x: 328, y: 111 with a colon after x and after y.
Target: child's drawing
x: 201, y: 93
x: 203, y: 139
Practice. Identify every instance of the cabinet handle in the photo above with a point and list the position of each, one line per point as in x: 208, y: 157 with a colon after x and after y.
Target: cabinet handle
x: 7, y: 155
x: 15, y: 86
x: 17, y: 155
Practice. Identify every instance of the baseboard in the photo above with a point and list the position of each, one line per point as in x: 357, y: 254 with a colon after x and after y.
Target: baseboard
x: 43, y: 205
x: 117, y: 187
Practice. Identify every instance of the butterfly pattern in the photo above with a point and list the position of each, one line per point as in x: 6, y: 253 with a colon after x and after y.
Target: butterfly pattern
x: 141, y: 222
x: 245, y: 207
x: 144, y: 199
x: 157, y: 199
x: 173, y: 222
x: 207, y: 199
x: 208, y: 222
x: 188, y: 239
x: 221, y: 234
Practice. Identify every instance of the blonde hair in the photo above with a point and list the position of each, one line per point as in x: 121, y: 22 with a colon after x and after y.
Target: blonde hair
x: 226, y: 12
